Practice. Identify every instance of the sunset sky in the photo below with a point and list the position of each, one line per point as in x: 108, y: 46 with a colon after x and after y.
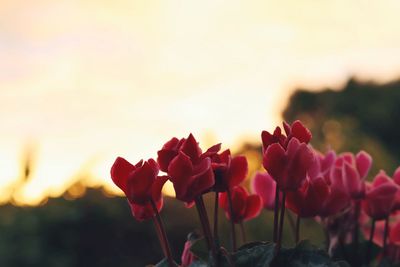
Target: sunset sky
x: 82, y: 82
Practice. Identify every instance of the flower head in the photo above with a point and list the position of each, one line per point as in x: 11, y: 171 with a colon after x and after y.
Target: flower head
x: 228, y: 171
x: 244, y: 206
x: 288, y: 167
x: 264, y: 186
x: 380, y: 197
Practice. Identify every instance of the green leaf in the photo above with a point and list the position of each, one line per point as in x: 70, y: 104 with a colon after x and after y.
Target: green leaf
x: 199, y: 248
x: 199, y: 264
x: 305, y: 255
x: 257, y: 254
x: 164, y: 263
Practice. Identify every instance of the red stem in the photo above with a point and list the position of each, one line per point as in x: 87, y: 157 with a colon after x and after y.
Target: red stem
x: 206, y: 227
x: 276, y: 215
x: 233, y: 232
x: 357, y: 211
x: 216, y: 238
x: 163, y: 235
x: 281, y: 222
x: 385, y: 236
x: 371, y: 237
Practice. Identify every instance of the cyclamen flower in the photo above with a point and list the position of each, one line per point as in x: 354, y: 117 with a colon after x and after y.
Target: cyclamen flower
x: 396, y: 179
x: 190, y: 170
x: 355, y: 169
x: 264, y: 186
x: 380, y: 197
x: 228, y: 171
x: 288, y: 167
x: 296, y: 130
x: 244, y: 206
x: 336, y: 198
x: 308, y: 200
x: 140, y: 184
x: 188, y: 257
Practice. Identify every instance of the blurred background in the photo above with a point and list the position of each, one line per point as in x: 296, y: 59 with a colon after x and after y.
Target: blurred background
x: 82, y: 82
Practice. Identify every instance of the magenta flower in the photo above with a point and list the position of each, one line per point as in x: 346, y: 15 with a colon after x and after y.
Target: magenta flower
x: 264, y: 186
x: 380, y: 197
x: 355, y: 170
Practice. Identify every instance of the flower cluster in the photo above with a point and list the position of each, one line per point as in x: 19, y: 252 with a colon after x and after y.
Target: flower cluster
x: 328, y: 187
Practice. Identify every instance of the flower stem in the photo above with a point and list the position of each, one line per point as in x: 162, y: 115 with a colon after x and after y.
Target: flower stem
x: 371, y: 237
x: 201, y: 209
x: 243, y: 232
x: 297, y: 229
x: 233, y: 232
x: 385, y: 236
x: 281, y: 222
x: 216, y: 238
x: 357, y: 210
x: 162, y: 235
x: 276, y: 215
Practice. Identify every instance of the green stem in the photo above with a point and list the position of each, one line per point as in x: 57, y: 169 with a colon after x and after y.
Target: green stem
x: 297, y: 229
x: 243, y: 232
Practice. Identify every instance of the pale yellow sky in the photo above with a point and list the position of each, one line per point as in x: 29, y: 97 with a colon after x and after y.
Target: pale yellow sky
x: 86, y: 81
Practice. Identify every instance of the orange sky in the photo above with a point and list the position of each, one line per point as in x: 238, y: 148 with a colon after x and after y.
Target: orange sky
x: 86, y: 81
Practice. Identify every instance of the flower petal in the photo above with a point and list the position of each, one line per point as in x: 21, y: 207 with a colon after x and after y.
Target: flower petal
x: 363, y: 163
x: 120, y: 171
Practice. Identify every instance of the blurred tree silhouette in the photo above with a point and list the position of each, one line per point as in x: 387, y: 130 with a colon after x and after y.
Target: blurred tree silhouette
x: 360, y: 116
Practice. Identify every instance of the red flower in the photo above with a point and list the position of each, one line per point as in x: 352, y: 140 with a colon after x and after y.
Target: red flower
x: 269, y: 139
x: 228, y: 171
x: 264, y: 186
x: 245, y: 206
x: 308, y: 200
x: 144, y: 212
x: 140, y: 184
x: 380, y: 197
x: 354, y: 171
x: 168, y: 152
x: 288, y: 168
x: 190, y: 171
x: 296, y: 130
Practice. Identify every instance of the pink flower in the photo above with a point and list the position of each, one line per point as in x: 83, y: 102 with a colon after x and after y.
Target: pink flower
x: 245, y: 206
x: 228, y: 171
x: 288, y: 167
x: 380, y: 197
x: 396, y: 179
x: 264, y: 186
x: 355, y: 170
x: 187, y: 257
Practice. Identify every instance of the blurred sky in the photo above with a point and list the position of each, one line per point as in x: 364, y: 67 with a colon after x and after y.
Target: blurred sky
x: 85, y: 81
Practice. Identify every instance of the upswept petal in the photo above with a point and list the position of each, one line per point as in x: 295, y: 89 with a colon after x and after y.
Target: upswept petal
x: 363, y: 163
x: 120, y: 171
